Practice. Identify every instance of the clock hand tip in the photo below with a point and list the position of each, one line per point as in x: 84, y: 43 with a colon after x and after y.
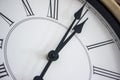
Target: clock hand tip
x: 78, y: 28
x: 78, y: 14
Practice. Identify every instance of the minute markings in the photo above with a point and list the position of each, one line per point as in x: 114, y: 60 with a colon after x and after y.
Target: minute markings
x: 9, y: 21
x: 100, y: 44
x: 27, y: 7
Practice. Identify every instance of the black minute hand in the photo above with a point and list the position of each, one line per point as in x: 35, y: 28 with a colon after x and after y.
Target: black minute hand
x: 78, y: 16
x: 77, y: 29
x: 53, y: 55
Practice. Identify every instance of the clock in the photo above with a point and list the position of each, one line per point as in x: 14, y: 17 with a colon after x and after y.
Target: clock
x: 58, y: 40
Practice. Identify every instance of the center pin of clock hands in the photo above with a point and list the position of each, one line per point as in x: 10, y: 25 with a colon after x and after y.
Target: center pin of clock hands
x: 53, y: 55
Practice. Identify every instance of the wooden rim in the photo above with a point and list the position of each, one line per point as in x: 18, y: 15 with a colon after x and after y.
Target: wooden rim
x: 118, y: 1
x: 113, y: 7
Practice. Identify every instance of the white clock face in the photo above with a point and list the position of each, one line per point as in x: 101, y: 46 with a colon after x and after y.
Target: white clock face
x: 31, y: 29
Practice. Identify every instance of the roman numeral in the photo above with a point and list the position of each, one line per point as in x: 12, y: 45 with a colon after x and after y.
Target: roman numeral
x: 100, y: 44
x: 3, y: 71
x: 106, y: 73
x: 1, y: 43
x: 27, y: 7
x: 53, y: 9
x: 10, y: 22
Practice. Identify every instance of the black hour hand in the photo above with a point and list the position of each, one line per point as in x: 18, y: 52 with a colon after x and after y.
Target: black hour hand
x: 78, y: 28
x: 78, y: 16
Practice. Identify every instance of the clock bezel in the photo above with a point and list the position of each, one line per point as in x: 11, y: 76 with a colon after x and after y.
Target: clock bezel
x: 107, y: 15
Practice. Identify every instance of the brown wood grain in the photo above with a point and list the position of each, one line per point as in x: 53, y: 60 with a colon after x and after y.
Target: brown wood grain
x: 118, y: 1
x: 113, y: 7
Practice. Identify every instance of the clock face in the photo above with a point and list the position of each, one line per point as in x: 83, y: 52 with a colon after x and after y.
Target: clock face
x: 58, y: 40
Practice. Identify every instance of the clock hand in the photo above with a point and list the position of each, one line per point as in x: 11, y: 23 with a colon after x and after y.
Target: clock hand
x: 77, y: 16
x: 77, y: 29
x: 44, y: 71
x: 53, y: 55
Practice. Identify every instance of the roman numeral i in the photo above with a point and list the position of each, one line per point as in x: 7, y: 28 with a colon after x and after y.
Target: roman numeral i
x: 53, y: 9
x: 3, y: 71
x: 106, y: 73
